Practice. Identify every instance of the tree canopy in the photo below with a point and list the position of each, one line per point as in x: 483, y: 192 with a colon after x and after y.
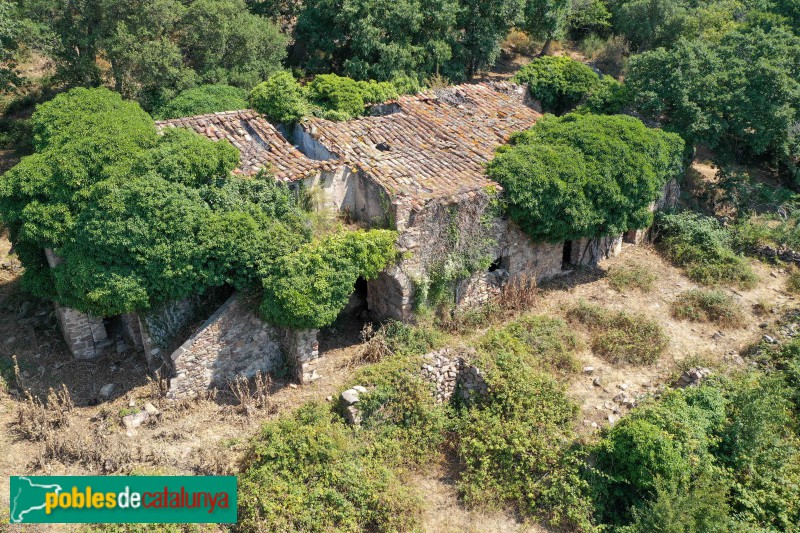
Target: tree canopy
x: 585, y: 175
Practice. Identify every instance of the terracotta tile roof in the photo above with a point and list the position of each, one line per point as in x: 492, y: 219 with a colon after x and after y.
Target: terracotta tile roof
x: 260, y: 144
x: 435, y: 144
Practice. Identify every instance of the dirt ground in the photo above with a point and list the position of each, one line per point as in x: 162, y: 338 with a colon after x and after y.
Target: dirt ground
x: 208, y: 436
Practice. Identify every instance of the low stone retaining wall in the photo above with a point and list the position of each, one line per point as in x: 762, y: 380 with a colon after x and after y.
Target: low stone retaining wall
x: 450, y: 372
x: 783, y: 254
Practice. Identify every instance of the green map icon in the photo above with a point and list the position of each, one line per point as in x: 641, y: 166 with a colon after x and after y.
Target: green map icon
x: 28, y: 498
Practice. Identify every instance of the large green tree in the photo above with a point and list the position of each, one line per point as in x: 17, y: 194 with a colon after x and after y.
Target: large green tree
x: 739, y: 95
x: 158, y: 48
x: 378, y: 39
x: 585, y: 175
x: 546, y: 20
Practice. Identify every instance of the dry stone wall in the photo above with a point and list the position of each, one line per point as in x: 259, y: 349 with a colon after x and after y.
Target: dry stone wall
x: 450, y: 371
x: 234, y: 342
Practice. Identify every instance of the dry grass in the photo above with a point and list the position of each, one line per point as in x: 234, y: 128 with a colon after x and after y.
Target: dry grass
x: 627, y: 277
x: 252, y: 394
x: 620, y: 337
x: 374, y: 346
x: 519, y: 295
x: 701, y: 305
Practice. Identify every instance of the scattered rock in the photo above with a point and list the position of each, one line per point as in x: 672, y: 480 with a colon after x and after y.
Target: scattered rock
x: 135, y: 420
x: 613, y: 419
x: 350, y: 396
x: 151, y: 409
x: 360, y: 388
x: 589, y: 370
x: 292, y: 385
x: 106, y: 390
x: 328, y: 398
x: 132, y: 403
x: 718, y: 335
x: 596, y: 382
x: 770, y: 339
x: 623, y: 386
x: 352, y: 415
x: 693, y: 377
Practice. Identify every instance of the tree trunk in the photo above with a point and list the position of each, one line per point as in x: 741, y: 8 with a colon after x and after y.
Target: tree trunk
x: 547, y: 49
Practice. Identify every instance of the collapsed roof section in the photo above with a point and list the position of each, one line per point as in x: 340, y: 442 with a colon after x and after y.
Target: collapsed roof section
x: 433, y: 145
x: 260, y: 144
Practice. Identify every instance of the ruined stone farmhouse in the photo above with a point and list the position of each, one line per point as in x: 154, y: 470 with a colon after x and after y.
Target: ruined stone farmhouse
x: 416, y: 165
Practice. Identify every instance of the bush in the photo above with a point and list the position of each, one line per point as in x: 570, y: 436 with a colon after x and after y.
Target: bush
x: 512, y: 443
x: 311, y: 472
x: 704, y: 247
x: 280, y: 98
x: 609, y: 98
x: 559, y: 83
x: 663, y: 443
x: 400, y: 409
x: 337, y: 93
x: 308, y: 287
x: 708, y: 306
x: 793, y: 281
x: 625, y: 277
x: 202, y: 100
x: 621, y: 337
x: 585, y: 175
x: 541, y: 342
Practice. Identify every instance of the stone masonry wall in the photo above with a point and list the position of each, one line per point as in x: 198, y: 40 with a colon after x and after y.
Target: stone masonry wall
x: 589, y: 252
x: 84, y: 334
x: 234, y: 342
x: 450, y: 372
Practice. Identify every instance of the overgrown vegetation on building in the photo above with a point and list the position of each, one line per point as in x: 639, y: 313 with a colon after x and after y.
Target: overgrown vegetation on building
x: 585, y: 175
x: 141, y: 219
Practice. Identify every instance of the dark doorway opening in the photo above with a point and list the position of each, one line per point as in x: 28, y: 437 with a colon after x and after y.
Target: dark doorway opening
x: 566, y: 256
x: 497, y: 264
x: 346, y: 330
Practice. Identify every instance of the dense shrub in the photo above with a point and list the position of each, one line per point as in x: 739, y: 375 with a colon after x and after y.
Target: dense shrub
x: 311, y: 472
x: 704, y: 247
x: 341, y: 98
x: 400, y: 409
x: 202, y: 100
x: 585, y: 175
x: 512, y: 443
x: 720, y: 457
x: 280, y: 98
x: 621, y: 337
x: 541, y: 342
x: 708, y: 306
x: 610, y: 97
x: 667, y: 442
x: 308, y: 287
x: 558, y: 82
